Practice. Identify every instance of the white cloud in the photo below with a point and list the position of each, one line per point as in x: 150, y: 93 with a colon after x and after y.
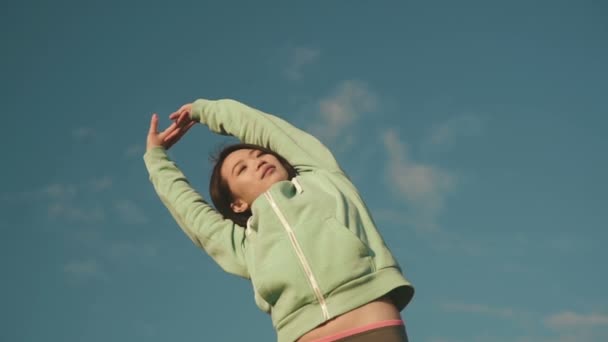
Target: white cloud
x: 566, y: 326
x: 70, y: 211
x: 446, y: 132
x: 130, y: 212
x: 85, y: 269
x: 527, y: 325
x: 569, y: 319
x: 299, y: 57
x: 65, y: 200
x: 340, y: 110
x: 423, y: 186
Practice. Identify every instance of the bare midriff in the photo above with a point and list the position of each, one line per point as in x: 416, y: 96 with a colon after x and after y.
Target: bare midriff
x: 379, y: 310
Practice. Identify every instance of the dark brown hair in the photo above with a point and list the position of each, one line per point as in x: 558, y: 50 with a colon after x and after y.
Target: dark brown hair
x: 221, y: 195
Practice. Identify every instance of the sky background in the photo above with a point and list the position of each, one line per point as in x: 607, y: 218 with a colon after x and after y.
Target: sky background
x: 475, y: 131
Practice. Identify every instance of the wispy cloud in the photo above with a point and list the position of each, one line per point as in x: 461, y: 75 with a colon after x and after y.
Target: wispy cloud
x: 105, y: 256
x: 446, y: 133
x: 564, y: 326
x: 85, y: 269
x: 339, y: 111
x: 298, y: 58
x: 132, y: 250
x: 70, y: 211
x: 479, y: 309
x: 578, y: 336
x: 66, y: 201
x: 59, y: 191
x: 100, y: 184
x: 567, y: 243
x: 134, y: 150
x: 569, y: 319
x: 423, y: 186
x: 130, y: 212
x: 82, y: 133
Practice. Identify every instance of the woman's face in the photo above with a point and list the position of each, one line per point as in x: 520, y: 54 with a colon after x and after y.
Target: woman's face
x: 249, y: 173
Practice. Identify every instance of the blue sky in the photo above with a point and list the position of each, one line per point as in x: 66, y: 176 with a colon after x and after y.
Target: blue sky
x: 475, y: 131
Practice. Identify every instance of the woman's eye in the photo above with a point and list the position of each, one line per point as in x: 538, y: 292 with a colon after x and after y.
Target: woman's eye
x: 242, y: 169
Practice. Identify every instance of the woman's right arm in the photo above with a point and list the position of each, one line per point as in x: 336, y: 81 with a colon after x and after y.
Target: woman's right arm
x: 222, y: 239
x: 250, y: 125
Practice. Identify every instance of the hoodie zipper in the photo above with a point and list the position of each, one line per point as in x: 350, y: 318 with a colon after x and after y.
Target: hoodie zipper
x: 296, y: 246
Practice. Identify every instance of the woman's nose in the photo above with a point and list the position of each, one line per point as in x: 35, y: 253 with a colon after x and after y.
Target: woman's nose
x: 259, y: 163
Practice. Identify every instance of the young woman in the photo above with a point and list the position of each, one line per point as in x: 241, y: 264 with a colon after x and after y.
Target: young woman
x: 289, y: 219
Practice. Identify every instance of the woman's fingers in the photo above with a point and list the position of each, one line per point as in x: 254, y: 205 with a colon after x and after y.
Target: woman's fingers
x: 180, y: 125
x: 167, y: 131
x: 183, y: 118
x: 153, y: 124
x: 178, y: 113
x: 172, y: 134
x: 153, y: 139
x: 176, y: 134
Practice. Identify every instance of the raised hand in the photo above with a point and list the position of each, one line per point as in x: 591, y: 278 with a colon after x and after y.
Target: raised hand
x: 182, y: 116
x: 169, y: 136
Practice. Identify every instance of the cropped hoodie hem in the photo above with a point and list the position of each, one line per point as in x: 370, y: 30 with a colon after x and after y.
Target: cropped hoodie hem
x: 348, y: 297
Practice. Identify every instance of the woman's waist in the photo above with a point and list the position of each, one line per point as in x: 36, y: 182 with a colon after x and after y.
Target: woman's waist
x: 292, y: 319
x: 379, y: 310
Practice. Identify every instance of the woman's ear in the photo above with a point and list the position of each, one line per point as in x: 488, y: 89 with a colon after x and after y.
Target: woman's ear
x: 239, y: 206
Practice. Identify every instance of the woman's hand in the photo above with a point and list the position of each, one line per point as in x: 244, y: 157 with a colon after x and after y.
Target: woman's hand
x: 182, y: 116
x: 169, y: 136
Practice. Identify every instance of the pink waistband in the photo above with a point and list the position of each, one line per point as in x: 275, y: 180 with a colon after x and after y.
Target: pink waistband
x: 354, y: 331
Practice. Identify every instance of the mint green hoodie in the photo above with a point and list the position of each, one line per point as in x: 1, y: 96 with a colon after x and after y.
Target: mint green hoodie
x: 311, y: 248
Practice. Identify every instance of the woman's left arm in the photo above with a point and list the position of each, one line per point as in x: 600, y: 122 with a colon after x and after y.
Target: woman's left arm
x: 221, y: 238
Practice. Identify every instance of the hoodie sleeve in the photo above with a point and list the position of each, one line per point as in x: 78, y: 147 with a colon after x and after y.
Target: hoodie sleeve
x: 222, y: 239
x: 249, y: 125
